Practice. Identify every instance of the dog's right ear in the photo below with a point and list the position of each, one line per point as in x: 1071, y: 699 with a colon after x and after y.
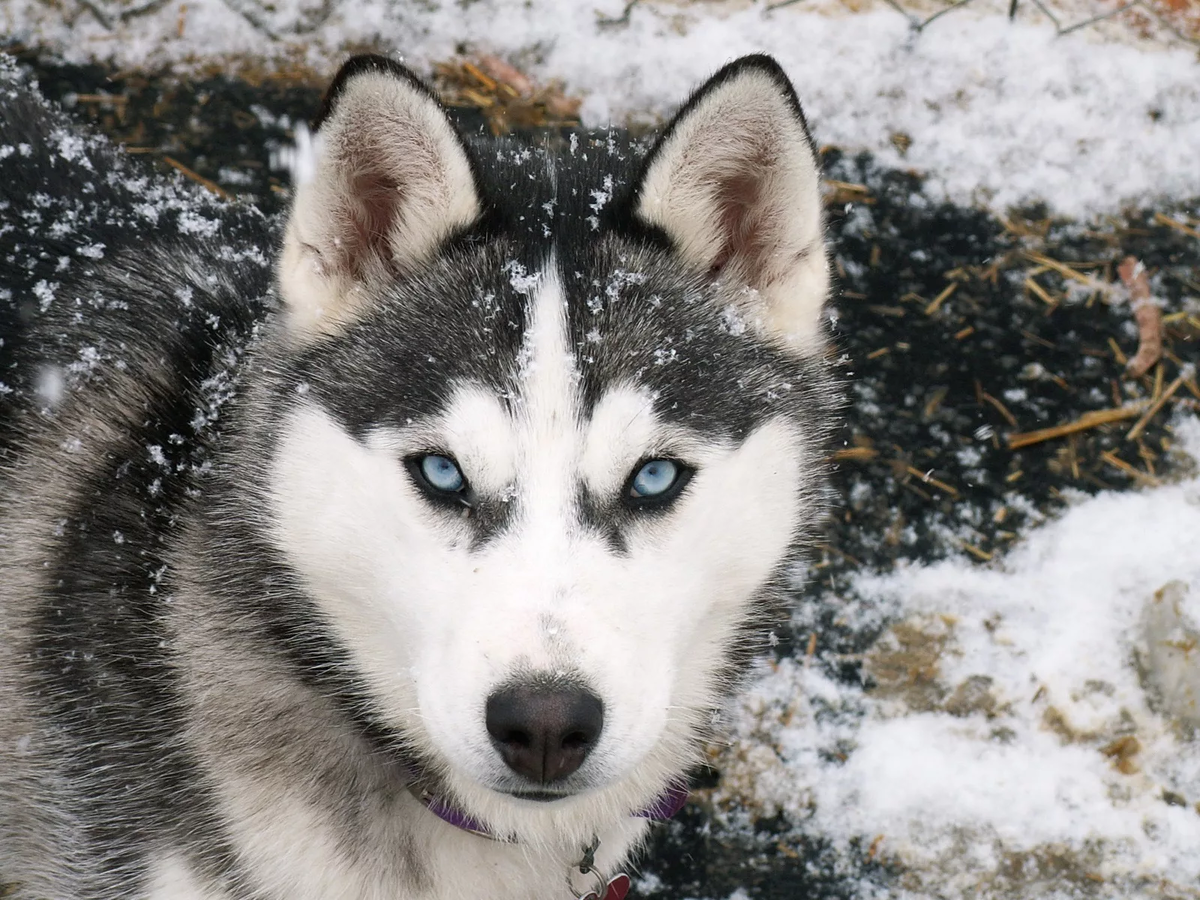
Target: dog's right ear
x: 735, y: 183
x: 392, y: 180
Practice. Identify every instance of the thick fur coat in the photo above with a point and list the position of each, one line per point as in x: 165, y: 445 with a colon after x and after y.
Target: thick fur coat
x: 480, y: 479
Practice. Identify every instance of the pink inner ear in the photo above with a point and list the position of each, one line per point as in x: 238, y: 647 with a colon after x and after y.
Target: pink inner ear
x: 740, y: 221
x: 370, y: 217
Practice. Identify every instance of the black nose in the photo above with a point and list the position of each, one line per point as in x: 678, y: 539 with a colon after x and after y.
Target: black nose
x: 544, y: 732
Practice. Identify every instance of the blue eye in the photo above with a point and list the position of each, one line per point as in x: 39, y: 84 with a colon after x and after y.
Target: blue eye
x: 441, y: 473
x: 657, y: 480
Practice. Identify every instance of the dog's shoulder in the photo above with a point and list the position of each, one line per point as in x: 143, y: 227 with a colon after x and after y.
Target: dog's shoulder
x: 106, y: 263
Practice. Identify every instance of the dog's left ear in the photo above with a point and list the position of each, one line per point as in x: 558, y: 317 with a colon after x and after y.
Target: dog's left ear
x: 735, y: 184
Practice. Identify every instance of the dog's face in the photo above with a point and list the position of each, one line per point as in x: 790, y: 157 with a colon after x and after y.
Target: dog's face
x: 553, y: 431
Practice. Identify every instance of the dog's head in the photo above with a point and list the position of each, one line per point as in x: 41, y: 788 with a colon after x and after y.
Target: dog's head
x: 553, y: 429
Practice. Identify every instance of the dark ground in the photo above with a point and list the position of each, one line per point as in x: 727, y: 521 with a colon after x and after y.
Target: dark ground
x: 937, y: 387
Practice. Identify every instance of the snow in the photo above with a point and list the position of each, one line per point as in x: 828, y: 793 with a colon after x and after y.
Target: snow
x: 994, y: 112
x: 1012, y: 712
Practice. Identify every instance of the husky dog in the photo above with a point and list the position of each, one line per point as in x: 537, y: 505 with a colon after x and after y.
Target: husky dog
x: 409, y: 551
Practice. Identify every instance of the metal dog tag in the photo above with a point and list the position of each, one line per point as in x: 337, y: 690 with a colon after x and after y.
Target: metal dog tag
x: 616, y: 889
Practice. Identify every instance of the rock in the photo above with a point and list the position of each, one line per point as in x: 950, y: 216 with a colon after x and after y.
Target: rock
x: 905, y: 663
x: 1169, y: 657
x: 974, y: 695
x: 1122, y: 752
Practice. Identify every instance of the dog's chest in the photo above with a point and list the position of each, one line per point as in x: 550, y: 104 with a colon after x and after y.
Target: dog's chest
x: 450, y: 864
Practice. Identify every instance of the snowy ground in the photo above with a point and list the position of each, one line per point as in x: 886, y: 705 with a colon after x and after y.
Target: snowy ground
x: 995, y: 112
x: 1021, y: 728
x: 1028, y: 729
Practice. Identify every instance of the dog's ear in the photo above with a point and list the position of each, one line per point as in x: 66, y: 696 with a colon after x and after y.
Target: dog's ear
x: 390, y: 181
x: 734, y: 182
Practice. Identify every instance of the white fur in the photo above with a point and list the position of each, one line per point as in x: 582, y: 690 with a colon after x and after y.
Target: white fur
x: 744, y: 136
x: 385, y: 131
x: 301, y: 860
x: 171, y: 879
x: 436, y: 626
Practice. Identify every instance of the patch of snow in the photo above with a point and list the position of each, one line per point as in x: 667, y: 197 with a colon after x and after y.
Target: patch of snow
x: 1007, y: 716
x: 522, y: 282
x: 44, y: 291
x: 992, y: 111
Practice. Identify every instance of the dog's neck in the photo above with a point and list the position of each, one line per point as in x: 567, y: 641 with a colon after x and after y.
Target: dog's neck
x: 665, y: 805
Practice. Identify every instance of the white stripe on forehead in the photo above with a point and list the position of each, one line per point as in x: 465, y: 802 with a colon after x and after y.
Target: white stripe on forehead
x: 547, y: 392
x: 547, y: 407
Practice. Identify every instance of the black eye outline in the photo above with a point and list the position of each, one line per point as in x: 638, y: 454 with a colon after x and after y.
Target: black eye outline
x: 683, y: 474
x: 461, y: 496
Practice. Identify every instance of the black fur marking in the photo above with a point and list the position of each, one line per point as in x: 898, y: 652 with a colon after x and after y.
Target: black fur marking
x: 99, y: 642
x: 96, y: 650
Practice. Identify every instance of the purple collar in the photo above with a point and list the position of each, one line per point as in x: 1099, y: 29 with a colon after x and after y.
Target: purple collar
x: 664, y: 807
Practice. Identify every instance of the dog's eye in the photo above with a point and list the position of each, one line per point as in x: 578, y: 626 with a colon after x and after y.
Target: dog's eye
x: 439, y: 474
x: 656, y: 482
